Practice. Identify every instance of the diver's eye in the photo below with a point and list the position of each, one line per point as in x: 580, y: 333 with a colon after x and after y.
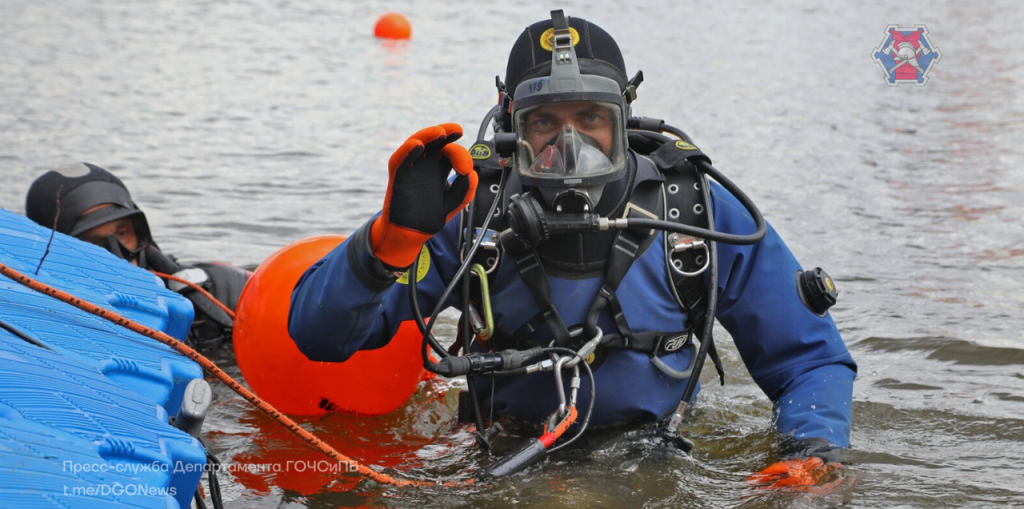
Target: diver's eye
x: 96, y: 241
x: 123, y: 230
x: 540, y: 125
x: 593, y: 118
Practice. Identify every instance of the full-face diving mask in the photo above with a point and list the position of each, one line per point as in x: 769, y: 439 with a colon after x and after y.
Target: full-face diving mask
x: 570, y: 127
x: 569, y: 141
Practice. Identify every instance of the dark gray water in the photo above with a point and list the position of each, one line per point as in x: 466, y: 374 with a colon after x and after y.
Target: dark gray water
x: 242, y: 125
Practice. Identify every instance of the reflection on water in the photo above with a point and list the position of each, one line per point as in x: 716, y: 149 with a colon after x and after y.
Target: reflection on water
x: 242, y: 125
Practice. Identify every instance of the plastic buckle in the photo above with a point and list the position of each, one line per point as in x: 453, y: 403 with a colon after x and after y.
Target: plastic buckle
x: 629, y: 94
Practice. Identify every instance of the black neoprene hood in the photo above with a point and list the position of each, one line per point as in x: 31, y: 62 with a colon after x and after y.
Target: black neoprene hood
x: 598, y: 54
x: 80, y: 187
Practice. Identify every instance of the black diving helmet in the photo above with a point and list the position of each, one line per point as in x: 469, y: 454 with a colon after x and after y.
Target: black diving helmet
x: 570, y: 127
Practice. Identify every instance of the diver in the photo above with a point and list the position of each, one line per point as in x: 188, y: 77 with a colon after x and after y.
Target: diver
x: 88, y: 202
x: 564, y: 118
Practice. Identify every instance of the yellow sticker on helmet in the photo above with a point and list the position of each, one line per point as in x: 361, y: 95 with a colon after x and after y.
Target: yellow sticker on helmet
x: 828, y: 283
x: 422, y: 267
x: 480, y: 151
x: 547, y: 39
x: 682, y: 145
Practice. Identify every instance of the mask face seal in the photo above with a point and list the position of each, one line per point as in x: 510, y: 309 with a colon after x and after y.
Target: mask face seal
x: 569, y: 144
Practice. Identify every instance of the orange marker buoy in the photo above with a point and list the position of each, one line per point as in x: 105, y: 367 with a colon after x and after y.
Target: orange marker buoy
x: 393, y: 26
x: 372, y: 382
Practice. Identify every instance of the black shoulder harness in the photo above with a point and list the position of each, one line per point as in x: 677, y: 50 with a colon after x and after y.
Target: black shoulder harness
x: 686, y: 257
x: 675, y: 195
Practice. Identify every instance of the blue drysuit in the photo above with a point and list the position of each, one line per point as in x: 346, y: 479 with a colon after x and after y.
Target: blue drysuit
x: 348, y: 302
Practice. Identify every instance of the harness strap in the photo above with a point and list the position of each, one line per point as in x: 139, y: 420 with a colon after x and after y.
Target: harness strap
x: 532, y: 272
x: 683, y: 202
x: 656, y: 344
x: 648, y: 342
x: 626, y: 248
x: 624, y: 251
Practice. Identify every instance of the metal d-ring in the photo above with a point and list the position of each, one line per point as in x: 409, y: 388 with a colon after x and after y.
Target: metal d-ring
x: 490, y: 243
x: 679, y: 244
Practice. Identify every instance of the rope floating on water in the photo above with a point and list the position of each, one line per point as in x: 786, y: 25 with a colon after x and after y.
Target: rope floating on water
x: 219, y: 374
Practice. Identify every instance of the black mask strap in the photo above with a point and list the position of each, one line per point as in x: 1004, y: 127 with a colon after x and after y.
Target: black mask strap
x: 565, y: 68
x: 119, y: 250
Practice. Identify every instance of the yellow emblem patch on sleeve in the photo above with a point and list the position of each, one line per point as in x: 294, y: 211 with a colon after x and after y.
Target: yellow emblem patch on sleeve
x: 547, y: 39
x: 422, y: 267
x: 682, y: 145
x: 480, y: 151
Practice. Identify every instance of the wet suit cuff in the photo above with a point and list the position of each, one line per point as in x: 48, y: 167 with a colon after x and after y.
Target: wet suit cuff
x: 368, y: 269
x: 792, y: 448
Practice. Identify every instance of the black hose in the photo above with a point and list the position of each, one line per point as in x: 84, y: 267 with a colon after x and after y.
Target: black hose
x: 710, y: 234
x: 482, y: 133
x: 712, y: 292
x: 706, y: 168
x: 199, y: 501
x: 677, y: 132
x: 428, y: 338
x: 212, y: 480
x: 425, y: 328
x: 727, y: 238
x: 466, y: 330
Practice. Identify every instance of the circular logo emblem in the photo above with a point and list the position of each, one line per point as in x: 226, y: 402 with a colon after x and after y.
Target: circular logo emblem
x: 682, y: 145
x: 673, y: 344
x: 480, y: 151
x: 422, y: 267
x: 547, y: 39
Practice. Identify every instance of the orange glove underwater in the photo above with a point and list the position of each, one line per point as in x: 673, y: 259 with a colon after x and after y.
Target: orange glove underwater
x: 419, y: 199
x: 805, y: 474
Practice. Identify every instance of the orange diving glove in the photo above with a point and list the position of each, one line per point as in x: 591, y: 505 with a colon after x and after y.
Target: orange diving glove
x: 419, y: 200
x: 805, y: 474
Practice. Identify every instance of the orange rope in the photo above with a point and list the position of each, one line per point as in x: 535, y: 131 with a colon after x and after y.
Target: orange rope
x: 198, y: 289
x: 549, y: 437
x: 212, y: 368
x: 564, y: 425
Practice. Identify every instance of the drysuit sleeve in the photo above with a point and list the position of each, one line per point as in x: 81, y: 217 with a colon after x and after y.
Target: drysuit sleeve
x: 348, y: 301
x: 797, y: 357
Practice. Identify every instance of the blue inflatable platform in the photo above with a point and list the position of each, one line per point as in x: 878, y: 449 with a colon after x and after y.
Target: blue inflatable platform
x: 84, y: 416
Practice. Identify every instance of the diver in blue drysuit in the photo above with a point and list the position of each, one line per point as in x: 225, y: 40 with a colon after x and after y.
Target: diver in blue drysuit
x: 350, y: 301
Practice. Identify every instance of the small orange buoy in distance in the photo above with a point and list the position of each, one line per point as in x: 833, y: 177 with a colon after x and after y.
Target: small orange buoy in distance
x: 393, y: 26
x: 373, y: 382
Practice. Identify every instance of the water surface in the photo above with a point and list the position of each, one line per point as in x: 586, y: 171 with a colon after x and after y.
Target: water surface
x: 242, y: 125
